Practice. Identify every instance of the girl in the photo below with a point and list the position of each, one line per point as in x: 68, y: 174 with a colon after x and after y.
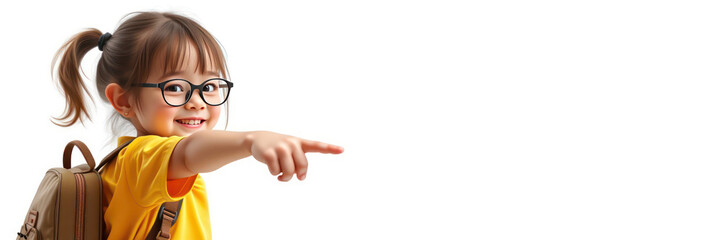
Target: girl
x: 149, y: 70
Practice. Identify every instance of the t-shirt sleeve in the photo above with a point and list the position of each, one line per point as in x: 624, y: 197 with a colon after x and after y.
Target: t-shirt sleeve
x: 145, y: 166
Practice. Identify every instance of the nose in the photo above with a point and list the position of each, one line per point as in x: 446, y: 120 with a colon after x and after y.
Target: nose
x: 195, y: 102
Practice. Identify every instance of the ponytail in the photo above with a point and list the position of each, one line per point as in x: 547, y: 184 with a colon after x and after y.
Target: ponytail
x: 69, y: 78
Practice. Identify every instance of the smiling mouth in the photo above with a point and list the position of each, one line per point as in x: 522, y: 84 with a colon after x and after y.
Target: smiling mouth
x: 190, y: 122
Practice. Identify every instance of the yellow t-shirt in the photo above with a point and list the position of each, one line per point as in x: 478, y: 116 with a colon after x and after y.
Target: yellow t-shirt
x: 136, y: 184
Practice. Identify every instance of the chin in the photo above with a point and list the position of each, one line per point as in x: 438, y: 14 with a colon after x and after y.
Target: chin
x: 189, y: 132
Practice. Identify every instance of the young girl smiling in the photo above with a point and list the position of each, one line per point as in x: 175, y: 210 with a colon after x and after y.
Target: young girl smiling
x: 167, y: 76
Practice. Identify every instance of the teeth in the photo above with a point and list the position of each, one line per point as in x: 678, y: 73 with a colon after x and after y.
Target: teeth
x: 190, y: 122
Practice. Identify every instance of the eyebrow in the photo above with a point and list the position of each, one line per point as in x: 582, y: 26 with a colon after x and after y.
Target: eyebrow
x: 178, y: 72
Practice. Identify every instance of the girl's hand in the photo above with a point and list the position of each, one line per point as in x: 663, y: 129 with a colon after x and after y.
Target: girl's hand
x: 286, y: 154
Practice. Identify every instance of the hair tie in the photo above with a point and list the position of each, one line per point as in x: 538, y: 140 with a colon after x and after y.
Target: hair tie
x: 104, y: 38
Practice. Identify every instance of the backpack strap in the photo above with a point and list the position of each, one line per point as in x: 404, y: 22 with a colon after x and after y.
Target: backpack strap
x: 167, y: 215
x: 111, y: 156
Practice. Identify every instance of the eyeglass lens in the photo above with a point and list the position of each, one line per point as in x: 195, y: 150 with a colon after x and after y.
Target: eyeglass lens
x: 176, y: 92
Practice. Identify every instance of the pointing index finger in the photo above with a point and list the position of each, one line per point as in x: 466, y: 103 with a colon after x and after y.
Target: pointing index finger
x: 321, y: 147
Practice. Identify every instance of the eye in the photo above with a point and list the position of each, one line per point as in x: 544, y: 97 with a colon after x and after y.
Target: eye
x: 174, y: 88
x: 210, y: 87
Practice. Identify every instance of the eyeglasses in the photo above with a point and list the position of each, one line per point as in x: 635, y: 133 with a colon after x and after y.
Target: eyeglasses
x: 177, y: 92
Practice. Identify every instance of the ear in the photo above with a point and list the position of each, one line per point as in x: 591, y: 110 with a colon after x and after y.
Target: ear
x: 120, y: 99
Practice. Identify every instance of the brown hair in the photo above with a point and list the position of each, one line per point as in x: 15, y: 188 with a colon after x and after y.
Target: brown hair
x: 127, y: 57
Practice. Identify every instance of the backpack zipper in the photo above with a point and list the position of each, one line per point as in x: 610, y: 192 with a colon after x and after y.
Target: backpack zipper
x: 79, y: 206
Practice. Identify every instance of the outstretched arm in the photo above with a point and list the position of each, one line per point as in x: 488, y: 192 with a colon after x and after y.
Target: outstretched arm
x: 206, y: 151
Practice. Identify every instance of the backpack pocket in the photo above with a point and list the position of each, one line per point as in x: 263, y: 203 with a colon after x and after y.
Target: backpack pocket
x: 28, y: 230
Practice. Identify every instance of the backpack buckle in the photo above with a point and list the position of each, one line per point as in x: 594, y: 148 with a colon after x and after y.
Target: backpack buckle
x: 165, y: 214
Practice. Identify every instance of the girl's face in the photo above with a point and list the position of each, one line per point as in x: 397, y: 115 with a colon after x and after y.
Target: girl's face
x: 159, y: 118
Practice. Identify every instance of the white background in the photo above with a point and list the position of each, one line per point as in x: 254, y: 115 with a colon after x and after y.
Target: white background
x: 460, y: 119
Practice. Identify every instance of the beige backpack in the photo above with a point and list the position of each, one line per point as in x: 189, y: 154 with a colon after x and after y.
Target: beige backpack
x: 69, y: 204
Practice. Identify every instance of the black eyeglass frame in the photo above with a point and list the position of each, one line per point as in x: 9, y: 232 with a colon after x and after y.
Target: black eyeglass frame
x: 192, y: 89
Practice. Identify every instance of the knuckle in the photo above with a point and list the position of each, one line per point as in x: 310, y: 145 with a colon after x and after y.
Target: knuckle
x: 282, y: 150
x: 289, y: 141
x: 268, y: 154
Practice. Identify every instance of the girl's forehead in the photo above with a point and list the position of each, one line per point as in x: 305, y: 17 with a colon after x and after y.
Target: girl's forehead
x: 188, y: 74
x: 188, y: 65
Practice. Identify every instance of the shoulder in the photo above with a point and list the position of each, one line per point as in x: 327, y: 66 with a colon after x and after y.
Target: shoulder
x: 154, y: 140
x: 152, y: 143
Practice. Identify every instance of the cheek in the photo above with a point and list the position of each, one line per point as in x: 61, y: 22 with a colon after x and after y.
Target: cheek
x: 164, y: 116
x: 214, y: 115
x: 157, y: 116
x: 160, y: 121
